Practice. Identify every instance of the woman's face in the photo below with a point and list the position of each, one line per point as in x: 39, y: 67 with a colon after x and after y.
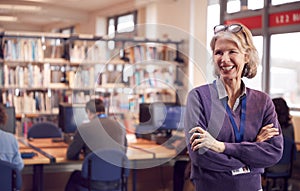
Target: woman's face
x: 229, y: 61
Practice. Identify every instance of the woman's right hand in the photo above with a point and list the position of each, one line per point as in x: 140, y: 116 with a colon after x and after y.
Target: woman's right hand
x: 266, y: 133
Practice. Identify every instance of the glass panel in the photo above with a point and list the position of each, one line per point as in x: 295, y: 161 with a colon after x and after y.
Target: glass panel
x: 255, y: 4
x: 111, y: 33
x: 279, y: 2
x: 125, y: 23
x: 285, y: 65
x: 256, y: 82
x: 213, y: 19
x: 111, y: 28
x: 233, y: 6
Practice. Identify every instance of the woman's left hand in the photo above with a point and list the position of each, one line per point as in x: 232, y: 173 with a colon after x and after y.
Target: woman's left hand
x: 201, y: 138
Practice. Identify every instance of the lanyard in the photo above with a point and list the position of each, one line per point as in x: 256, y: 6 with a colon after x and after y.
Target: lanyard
x: 102, y: 115
x: 239, y: 133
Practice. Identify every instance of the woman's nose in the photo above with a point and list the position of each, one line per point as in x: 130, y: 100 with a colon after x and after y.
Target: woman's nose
x: 225, y: 58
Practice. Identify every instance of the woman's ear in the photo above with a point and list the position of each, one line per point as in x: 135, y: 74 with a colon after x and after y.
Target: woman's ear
x: 245, y: 70
x: 247, y: 56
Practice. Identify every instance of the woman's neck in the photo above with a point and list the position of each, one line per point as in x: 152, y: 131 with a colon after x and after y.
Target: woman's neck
x: 233, y: 89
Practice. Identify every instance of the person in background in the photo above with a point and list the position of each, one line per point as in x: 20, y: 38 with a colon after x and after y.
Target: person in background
x: 100, y: 132
x: 232, y: 131
x: 284, y: 118
x: 9, y: 149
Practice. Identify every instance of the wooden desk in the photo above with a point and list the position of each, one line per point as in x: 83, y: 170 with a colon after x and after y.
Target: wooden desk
x: 38, y: 159
x: 37, y: 162
x: 159, y: 151
x: 47, y: 143
x: 141, y: 154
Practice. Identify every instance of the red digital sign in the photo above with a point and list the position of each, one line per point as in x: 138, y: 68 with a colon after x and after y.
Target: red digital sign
x: 254, y: 22
x: 284, y: 18
x: 275, y: 20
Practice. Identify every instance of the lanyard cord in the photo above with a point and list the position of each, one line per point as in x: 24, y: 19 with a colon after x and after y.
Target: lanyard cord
x: 239, y: 133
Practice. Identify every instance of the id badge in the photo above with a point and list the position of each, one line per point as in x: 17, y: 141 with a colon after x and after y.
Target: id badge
x: 243, y: 170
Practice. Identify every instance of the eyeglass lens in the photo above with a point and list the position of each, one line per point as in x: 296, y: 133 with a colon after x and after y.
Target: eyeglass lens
x: 231, y: 28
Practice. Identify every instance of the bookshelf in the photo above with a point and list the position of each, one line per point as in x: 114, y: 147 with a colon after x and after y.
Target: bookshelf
x: 38, y: 71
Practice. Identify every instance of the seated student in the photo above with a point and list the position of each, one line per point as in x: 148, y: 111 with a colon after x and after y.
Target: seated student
x: 287, y: 127
x: 100, y: 132
x: 9, y: 149
x: 284, y: 118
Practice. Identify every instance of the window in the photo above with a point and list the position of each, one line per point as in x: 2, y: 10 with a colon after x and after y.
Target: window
x: 285, y: 65
x: 238, y: 5
x: 125, y: 23
x: 256, y: 82
x: 279, y: 2
x: 120, y: 25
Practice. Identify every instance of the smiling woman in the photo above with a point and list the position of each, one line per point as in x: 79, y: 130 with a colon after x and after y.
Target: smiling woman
x: 227, y: 125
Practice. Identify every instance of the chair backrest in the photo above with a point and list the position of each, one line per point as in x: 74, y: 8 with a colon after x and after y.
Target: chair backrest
x: 44, y: 130
x: 105, y: 166
x: 10, y: 176
x: 284, y: 166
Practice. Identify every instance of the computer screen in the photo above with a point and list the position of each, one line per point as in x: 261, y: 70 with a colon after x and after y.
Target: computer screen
x: 10, y: 125
x: 169, y: 117
x: 161, y: 116
x: 71, y: 116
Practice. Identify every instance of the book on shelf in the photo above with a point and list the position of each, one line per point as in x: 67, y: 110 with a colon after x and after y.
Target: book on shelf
x: 23, y: 49
x: 20, y: 76
x: 85, y: 53
x: 141, y: 53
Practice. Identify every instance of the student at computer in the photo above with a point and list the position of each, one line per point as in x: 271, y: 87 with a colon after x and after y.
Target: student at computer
x: 100, y: 132
x: 9, y: 150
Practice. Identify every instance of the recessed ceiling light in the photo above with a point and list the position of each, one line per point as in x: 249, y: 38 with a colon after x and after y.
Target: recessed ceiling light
x: 27, y: 8
x: 38, y: 1
x: 8, y: 18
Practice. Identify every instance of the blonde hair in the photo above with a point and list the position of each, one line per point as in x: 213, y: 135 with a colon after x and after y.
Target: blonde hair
x: 243, y: 40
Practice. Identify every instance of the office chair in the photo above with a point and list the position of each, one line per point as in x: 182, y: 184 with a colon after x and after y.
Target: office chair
x: 283, y: 169
x: 10, y: 176
x: 44, y: 130
x: 105, y: 169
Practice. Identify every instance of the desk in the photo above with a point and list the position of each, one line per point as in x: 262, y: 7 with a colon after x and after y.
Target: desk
x: 47, y: 143
x: 37, y: 162
x: 141, y: 154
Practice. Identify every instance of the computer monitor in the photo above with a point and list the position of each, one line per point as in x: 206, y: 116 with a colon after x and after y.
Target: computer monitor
x: 10, y: 125
x: 173, y: 118
x: 71, y: 116
x: 160, y: 116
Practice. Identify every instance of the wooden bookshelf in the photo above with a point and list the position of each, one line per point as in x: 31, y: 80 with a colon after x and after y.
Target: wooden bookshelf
x: 46, y: 69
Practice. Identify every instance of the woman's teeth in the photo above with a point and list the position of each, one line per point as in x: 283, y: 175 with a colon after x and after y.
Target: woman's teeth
x: 227, y: 68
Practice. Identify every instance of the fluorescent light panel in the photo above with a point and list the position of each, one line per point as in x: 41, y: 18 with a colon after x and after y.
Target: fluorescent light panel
x: 8, y: 18
x: 27, y: 8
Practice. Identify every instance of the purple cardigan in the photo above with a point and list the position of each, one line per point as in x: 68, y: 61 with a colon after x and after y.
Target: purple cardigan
x: 212, y: 171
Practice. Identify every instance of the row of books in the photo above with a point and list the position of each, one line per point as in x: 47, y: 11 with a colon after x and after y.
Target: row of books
x: 82, y: 53
x: 23, y: 49
x: 23, y: 125
x: 29, y: 76
x: 29, y: 102
x: 159, y: 78
x: 35, y: 76
x: 36, y: 50
x: 141, y: 53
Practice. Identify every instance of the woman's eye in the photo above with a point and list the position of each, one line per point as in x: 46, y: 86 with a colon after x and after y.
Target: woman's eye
x: 233, y: 52
x: 218, y: 52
